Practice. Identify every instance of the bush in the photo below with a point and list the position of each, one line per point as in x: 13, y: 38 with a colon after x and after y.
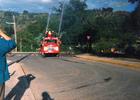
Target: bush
x: 103, y: 46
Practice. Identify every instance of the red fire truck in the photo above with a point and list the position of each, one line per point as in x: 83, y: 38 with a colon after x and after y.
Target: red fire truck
x: 50, y: 45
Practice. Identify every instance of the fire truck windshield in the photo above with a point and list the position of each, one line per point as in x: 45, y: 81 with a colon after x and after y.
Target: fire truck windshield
x: 52, y: 41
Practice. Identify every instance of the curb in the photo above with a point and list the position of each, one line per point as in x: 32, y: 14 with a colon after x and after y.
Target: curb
x: 128, y: 64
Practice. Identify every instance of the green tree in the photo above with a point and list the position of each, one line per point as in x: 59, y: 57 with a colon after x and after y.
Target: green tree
x: 72, y: 19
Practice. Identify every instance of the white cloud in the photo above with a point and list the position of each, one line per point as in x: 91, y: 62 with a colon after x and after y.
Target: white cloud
x: 47, y: 1
x: 119, y: 4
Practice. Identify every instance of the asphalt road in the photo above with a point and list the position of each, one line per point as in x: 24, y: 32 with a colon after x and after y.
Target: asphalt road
x: 68, y: 78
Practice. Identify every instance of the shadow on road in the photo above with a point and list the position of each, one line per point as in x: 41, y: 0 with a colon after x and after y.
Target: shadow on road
x: 23, y: 84
x: 46, y: 96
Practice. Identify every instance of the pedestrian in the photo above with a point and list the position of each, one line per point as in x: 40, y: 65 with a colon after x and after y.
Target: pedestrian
x: 6, y: 45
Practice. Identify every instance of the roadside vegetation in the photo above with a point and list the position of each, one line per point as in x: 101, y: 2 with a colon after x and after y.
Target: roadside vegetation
x: 99, y: 31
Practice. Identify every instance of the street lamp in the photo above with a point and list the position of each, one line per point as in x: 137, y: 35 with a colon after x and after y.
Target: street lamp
x: 14, y: 26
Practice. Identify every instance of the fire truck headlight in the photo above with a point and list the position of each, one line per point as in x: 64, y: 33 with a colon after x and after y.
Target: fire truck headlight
x: 45, y: 48
x: 56, y: 48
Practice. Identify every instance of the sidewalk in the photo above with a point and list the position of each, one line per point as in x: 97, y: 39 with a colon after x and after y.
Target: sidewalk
x: 124, y: 63
x: 17, y: 86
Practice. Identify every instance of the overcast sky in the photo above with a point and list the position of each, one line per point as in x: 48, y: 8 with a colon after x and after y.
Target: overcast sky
x: 44, y: 5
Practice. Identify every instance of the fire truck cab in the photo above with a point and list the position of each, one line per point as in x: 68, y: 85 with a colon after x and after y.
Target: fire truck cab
x: 50, y: 45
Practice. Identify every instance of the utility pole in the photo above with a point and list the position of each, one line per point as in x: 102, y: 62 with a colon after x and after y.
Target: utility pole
x: 61, y: 18
x: 15, y: 33
x: 48, y: 21
x: 20, y: 44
